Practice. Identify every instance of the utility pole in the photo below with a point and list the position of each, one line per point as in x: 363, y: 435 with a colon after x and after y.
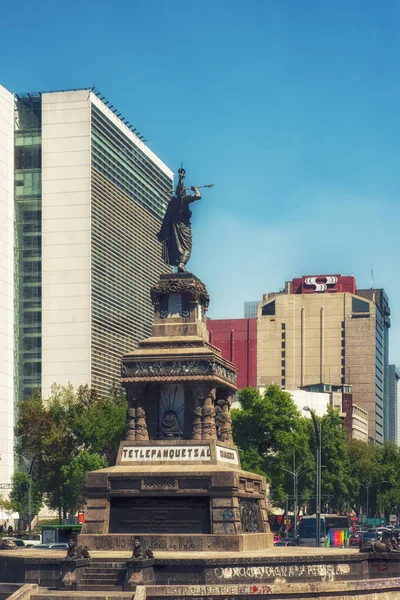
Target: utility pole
x: 318, y: 476
x: 296, y: 478
x: 367, y: 486
x: 29, y: 464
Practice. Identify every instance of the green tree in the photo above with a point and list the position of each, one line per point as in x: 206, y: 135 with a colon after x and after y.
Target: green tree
x: 267, y: 429
x: 371, y: 466
x: 337, y: 478
x: 66, y: 433
x: 17, y: 502
x: 74, y: 474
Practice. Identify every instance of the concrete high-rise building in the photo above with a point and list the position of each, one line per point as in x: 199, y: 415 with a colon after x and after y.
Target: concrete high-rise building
x: 82, y: 198
x: 321, y: 329
x: 394, y: 404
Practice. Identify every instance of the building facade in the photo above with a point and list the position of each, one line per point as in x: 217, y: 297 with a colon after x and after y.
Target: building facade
x: 237, y: 340
x: 6, y: 285
x: 394, y: 408
x: 84, y: 198
x: 321, y: 328
x: 250, y: 309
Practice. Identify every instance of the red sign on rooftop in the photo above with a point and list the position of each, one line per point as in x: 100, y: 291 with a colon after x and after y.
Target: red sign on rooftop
x: 319, y: 284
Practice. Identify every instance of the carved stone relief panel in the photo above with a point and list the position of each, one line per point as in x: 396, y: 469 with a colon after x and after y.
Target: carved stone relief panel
x: 171, y: 410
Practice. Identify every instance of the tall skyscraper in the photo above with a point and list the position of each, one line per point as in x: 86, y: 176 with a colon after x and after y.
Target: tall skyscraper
x: 394, y: 404
x: 322, y: 330
x: 82, y: 198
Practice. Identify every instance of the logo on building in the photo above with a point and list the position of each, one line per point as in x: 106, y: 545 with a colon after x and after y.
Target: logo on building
x: 321, y: 283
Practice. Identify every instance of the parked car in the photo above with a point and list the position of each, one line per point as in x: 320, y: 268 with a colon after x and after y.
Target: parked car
x: 355, y: 539
x: 277, y: 538
x: 59, y: 546
x: 285, y: 543
x: 17, y: 541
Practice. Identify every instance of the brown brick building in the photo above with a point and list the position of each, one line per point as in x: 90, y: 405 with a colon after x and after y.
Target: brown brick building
x: 322, y: 329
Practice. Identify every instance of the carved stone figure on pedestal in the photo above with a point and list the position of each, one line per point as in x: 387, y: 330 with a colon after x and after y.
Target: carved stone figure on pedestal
x: 223, y: 420
x: 136, y: 418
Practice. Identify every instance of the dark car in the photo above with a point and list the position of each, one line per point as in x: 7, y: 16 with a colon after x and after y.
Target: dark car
x: 285, y: 543
x: 355, y: 539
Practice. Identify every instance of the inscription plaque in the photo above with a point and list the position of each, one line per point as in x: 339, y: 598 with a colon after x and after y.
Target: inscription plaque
x: 160, y: 515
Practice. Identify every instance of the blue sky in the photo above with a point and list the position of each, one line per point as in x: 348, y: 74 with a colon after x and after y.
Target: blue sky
x: 292, y: 109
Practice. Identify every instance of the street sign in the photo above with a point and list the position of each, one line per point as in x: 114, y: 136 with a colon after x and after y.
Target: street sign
x: 375, y: 522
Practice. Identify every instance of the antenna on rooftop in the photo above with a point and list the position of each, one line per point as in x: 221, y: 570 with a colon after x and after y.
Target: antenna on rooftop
x: 372, y: 277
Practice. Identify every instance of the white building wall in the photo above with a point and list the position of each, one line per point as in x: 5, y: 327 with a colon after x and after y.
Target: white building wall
x: 66, y: 216
x: 6, y: 285
x: 317, y: 401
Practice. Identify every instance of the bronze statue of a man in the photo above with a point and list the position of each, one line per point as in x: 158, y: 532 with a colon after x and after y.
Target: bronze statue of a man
x: 176, y: 230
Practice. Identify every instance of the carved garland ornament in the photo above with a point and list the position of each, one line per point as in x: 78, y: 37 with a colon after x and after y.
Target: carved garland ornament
x: 176, y: 369
x: 196, y: 290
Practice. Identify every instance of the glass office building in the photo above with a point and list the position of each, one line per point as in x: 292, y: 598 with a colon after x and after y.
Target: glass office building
x: 27, y: 246
x: 82, y: 199
x: 394, y: 408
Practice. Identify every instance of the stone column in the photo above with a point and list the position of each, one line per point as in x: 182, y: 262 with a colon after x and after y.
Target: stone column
x: 204, y: 412
x: 223, y: 419
x: 131, y: 424
x: 197, y: 424
x: 136, y: 421
x: 209, y: 431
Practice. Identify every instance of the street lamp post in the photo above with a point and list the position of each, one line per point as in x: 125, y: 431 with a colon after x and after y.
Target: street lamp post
x: 296, y: 478
x: 318, y: 476
x: 367, y: 486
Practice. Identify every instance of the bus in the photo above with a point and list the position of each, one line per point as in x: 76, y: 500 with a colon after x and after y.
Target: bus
x: 308, y: 525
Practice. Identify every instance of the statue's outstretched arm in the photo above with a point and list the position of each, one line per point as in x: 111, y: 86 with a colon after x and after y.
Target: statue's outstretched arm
x: 196, y: 195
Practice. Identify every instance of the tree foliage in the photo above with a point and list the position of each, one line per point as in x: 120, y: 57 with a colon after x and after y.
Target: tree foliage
x: 270, y: 431
x: 17, y: 501
x: 273, y: 436
x: 66, y: 435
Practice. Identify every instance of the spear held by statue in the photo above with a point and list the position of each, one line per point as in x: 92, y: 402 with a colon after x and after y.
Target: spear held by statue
x: 205, y: 185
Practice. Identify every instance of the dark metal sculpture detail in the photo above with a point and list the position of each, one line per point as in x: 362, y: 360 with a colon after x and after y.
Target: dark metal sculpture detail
x: 389, y: 544
x: 176, y: 230
x: 76, y: 552
x: 250, y: 515
x: 72, y: 551
x: 139, y: 553
x: 194, y: 290
x: 176, y: 368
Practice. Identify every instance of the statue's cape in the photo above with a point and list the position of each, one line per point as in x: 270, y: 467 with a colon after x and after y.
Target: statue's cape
x: 175, y: 233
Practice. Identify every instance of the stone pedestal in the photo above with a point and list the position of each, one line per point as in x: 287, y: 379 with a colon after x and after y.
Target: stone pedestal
x: 72, y: 571
x: 139, y: 572
x: 177, y: 483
